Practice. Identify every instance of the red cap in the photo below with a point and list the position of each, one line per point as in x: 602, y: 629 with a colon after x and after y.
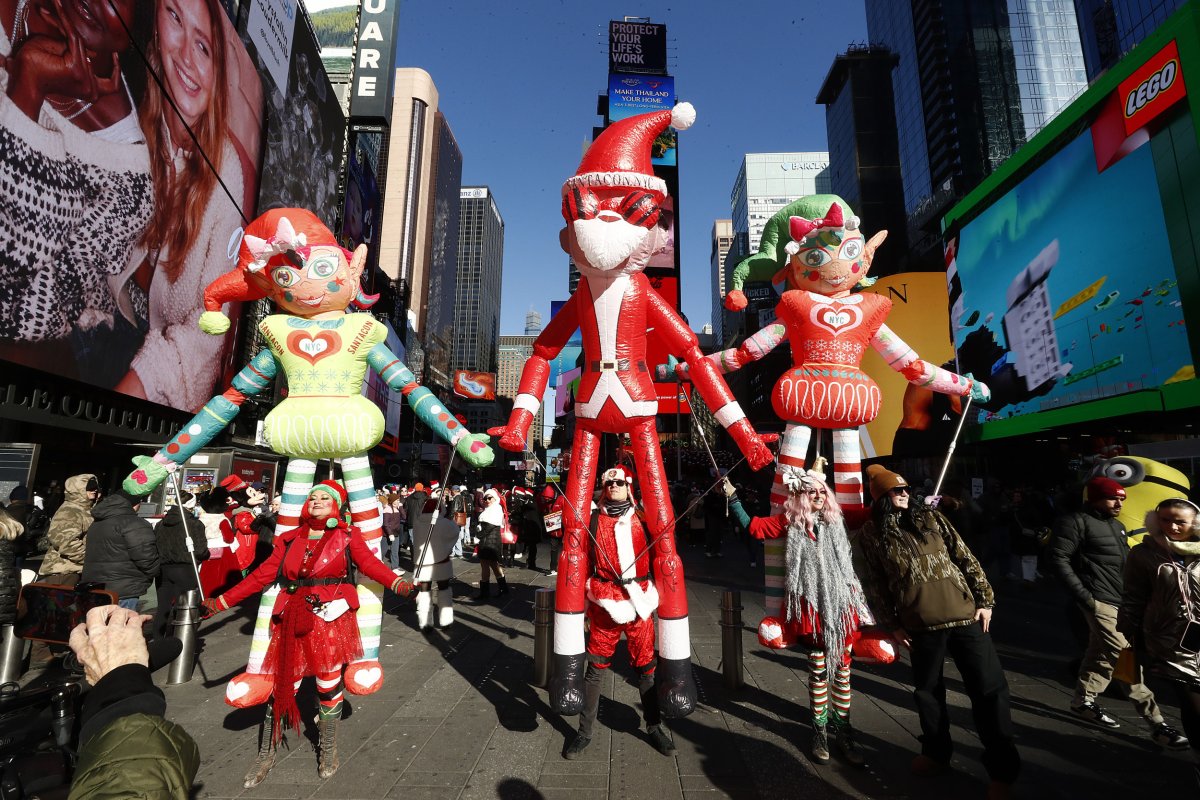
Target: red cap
x: 1101, y: 488
x: 619, y: 472
x: 232, y: 483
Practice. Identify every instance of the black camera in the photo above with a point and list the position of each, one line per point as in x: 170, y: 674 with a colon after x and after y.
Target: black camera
x: 37, y: 729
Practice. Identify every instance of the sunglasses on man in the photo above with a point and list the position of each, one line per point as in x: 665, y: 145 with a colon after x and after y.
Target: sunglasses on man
x: 615, y: 482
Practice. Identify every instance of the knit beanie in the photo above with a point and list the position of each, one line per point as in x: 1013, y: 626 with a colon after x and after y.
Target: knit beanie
x: 1101, y: 488
x: 881, y: 480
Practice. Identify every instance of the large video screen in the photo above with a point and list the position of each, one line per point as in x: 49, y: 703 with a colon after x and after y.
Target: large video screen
x: 130, y: 139
x: 1069, y: 291
x: 305, y: 126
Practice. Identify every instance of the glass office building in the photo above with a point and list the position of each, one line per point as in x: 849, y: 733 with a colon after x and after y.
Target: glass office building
x: 1108, y: 29
x: 975, y: 80
x: 767, y: 182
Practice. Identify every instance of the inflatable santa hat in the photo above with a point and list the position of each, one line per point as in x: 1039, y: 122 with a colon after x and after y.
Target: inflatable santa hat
x: 620, y: 156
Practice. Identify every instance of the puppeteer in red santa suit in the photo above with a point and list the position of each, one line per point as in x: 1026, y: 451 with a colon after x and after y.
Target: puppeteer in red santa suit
x: 622, y: 599
x: 612, y: 206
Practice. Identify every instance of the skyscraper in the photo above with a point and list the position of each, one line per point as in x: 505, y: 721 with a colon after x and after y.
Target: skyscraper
x: 722, y: 240
x: 438, y: 302
x: 766, y: 183
x: 975, y: 80
x: 1108, y: 29
x: 864, y: 157
x: 513, y: 352
x: 480, y: 270
x: 533, y: 323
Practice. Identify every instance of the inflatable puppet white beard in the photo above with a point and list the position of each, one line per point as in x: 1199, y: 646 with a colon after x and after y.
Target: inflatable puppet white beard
x: 606, y: 242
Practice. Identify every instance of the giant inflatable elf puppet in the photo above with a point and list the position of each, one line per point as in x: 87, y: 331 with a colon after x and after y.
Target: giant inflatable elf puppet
x: 816, y: 247
x: 611, y: 207
x: 289, y: 256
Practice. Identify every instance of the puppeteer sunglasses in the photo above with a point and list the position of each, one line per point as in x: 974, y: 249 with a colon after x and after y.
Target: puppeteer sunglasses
x: 614, y: 483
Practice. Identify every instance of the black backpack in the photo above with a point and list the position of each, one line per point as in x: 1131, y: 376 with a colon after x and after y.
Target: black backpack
x: 35, y: 541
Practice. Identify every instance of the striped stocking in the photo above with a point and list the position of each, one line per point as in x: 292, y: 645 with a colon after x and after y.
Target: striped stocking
x: 841, y: 693
x: 329, y: 694
x: 818, y: 687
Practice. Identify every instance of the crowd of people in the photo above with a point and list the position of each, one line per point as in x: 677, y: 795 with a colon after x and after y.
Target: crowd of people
x: 902, y: 570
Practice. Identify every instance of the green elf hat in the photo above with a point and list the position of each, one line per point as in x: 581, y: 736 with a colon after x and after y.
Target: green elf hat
x: 338, y: 493
x: 772, y: 255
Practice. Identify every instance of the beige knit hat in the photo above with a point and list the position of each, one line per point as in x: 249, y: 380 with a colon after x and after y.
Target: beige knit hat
x: 881, y: 480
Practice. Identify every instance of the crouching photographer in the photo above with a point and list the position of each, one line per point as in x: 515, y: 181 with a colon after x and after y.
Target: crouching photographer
x: 126, y: 747
x: 109, y: 741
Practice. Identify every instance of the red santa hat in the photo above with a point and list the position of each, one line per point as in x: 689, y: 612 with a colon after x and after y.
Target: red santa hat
x: 620, y: 156
x: 617, y: 473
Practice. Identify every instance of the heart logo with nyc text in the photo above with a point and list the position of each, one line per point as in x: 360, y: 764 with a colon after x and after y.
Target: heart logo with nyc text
x: 313, y: 348
x: 837, y: 319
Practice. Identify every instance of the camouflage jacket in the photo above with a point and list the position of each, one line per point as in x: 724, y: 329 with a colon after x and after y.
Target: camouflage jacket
x: 921, y: 580
x: 67, y: 529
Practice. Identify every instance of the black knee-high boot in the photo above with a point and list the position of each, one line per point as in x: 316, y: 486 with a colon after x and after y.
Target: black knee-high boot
x: 660, y: 737
x: 591, y: 707
x: 502, y: 582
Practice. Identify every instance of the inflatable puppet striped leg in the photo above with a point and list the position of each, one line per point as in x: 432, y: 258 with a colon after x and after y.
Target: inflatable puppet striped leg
x: 847, y: 471
x: 364, y: 675
x: 253, y: 687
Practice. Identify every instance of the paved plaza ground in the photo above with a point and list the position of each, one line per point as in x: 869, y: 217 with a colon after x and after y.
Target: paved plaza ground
x: 458, y: 718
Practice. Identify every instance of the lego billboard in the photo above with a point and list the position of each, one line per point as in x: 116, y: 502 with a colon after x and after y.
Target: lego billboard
x: 1064, y: 289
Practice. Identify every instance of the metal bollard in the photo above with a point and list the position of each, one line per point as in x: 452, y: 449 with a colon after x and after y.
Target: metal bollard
x: 731, y: 639
x: 187, y: 618
x: 12, y: 649
x: 543, y: 636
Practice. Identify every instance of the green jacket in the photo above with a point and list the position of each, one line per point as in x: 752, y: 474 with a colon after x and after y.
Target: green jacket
x: 921, y: 581
x: 127, y: 749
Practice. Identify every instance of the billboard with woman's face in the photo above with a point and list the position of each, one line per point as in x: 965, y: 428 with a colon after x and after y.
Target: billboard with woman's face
x: 130, y: 137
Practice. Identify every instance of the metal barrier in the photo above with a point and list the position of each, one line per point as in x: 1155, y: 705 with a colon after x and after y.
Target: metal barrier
x: 12, y: 648
x: 187, y: 618
x: 543, y: 636
x: 731, y: 639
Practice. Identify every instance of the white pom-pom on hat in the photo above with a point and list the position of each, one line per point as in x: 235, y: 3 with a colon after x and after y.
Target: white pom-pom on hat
x: 682, y: 116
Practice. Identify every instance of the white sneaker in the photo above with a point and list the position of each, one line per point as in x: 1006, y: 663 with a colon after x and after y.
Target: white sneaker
x: 551, y: 573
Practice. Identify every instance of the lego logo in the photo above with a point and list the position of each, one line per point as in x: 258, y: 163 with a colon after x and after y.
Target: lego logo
x: 1150, y: 88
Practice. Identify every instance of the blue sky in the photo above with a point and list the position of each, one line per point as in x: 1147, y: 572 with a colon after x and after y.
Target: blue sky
x: 518, y: 83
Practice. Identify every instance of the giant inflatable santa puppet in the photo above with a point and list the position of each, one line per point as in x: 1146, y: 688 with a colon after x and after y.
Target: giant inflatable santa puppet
x: 611, y: 206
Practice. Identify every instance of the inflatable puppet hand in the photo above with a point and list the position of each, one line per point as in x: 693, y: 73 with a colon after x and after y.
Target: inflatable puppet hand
x: 475, y: 451
x: 667, y: 371
x: 735, y: 300
x: 149, y: 474
x: 980, y: 393
x: 753, y: 446
x: 514, y: 435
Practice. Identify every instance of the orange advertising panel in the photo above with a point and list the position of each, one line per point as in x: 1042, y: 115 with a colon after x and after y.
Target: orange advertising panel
x: 475, y: 385
x: 912, y: 421
x: 1152, y: 89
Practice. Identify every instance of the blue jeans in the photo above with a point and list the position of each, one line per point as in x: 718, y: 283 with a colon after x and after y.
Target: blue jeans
x: 129, y: 602
x: 463, y: 536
